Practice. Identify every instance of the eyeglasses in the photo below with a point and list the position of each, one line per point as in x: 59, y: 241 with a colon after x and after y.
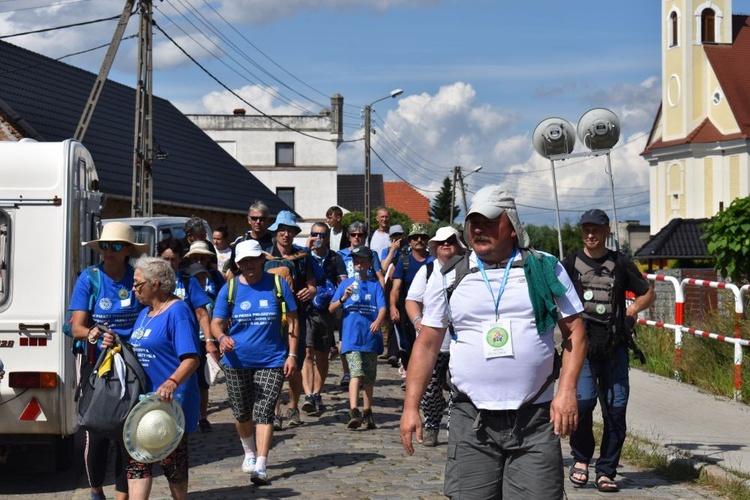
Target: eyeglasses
x: 258, y: 218
x: 318, y: 235
x: 450, y: 241
x: 356, y: 235
x: 137, y: 286
x: 116, y: 247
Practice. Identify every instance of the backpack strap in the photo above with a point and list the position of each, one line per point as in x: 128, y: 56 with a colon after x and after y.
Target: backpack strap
x: 430, y: 267
x: 279, y: 297
x: 95, y: 282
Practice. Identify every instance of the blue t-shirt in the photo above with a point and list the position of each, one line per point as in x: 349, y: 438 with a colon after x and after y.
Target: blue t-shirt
x: 256, y: 323
x: 411, y: 271
x: 159, y: 342
x: 348, y: 264
x: 116, y: 305
x: 195, y: 296
x: 358, y: 316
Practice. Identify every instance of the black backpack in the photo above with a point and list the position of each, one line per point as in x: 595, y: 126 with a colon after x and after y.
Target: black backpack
x: 103, y: 405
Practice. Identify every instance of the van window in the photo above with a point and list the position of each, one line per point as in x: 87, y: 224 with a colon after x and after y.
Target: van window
x: 4, y: 256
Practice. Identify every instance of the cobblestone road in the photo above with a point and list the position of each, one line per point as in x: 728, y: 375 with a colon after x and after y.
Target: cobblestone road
x: 322, y: 459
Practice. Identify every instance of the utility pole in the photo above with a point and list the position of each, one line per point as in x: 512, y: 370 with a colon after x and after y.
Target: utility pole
x: 456, y: 171
x: 143, y: 141
x: 368, y: 110
x: 463, y: 189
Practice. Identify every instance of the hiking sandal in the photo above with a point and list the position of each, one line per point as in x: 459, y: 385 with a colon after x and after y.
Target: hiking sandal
x: 579, y: 470
x: 606, y: 485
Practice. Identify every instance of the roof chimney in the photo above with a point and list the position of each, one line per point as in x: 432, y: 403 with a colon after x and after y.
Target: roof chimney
x: 239, y: 112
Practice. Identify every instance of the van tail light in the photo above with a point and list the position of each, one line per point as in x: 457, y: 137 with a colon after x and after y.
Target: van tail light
x: 32, y: 380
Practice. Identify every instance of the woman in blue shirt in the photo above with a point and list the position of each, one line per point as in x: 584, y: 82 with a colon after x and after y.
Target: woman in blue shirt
x: 116, y: 307
x: 255, y: 355
x: 165, y: 339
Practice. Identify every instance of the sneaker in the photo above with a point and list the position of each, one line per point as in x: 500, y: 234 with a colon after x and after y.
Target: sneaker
x: 259, y: 477
x: 98, y: 496
x: 367, y: 420
x: 277, y: 419
x: 248, y: 465
x: 355, y: 419
x: 430, y: 437
x: 393, y: 361
x: 345, y: 380
x: 204, y: 425
x: 292, y: 417
x: 309, y: 404
x: 319, y: 403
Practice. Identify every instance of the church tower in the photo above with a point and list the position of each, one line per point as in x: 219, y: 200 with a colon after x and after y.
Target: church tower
x: 698, y: 146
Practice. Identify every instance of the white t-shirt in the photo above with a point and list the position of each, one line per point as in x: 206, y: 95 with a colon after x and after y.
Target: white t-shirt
x: 222, y: 256
x: 379, y: 241
x: 334, y: 242
x: 416, y: 293
x: 497, y: 383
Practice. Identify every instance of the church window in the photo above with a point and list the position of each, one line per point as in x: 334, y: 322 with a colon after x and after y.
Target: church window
x: 673, y: 30
x: 708, y: 26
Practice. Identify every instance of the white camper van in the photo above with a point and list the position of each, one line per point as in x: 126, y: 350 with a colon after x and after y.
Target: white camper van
x: 48, y: 206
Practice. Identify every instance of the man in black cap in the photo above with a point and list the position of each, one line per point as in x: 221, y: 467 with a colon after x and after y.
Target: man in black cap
x: 601, y: 277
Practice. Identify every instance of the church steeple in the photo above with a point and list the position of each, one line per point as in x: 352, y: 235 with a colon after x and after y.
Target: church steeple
x: 687, y: 26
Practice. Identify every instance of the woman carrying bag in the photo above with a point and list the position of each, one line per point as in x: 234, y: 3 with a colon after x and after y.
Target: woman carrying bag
x: 114, y: 306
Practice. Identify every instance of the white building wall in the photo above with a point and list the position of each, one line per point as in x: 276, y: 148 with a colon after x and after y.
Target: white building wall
x: 252, y: 141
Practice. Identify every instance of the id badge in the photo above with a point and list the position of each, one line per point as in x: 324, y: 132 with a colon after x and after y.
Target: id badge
x: 498, y: 339
x: 125, y: 303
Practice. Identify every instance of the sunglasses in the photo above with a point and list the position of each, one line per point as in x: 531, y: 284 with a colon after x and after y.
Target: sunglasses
x: 450, y: 241
x: 137, y: 286
x: 116, y: 247
x: 357, y: 235
x: 418, y: 237
x: 318, y: 235
x: 257, y: 218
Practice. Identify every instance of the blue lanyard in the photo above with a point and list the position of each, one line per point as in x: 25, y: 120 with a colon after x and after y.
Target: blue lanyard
x: 504, y: 282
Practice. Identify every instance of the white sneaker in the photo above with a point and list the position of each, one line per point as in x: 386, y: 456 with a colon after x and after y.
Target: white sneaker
x: 248, y: 465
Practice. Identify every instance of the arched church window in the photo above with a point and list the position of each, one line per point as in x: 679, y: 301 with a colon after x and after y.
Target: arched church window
x: 673, y: 30
x: 708, y: 26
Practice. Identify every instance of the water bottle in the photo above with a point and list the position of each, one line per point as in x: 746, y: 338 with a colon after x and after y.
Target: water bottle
x: 355, y: 288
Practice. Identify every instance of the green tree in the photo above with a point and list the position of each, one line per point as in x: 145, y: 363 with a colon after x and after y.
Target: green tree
x: 545, y: 238
x: 727, y: 236
x: 440, y: 210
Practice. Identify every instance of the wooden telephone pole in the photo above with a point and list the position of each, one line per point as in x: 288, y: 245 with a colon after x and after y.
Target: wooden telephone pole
x: 143, y: 141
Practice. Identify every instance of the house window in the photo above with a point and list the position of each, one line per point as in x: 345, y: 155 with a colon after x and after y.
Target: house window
x: 286, y: 195
x: 708, y: 26
x: 673, y: 30
x: 284, y: 153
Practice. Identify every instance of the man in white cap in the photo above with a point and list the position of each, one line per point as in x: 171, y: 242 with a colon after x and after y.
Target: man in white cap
x: 500, y: 303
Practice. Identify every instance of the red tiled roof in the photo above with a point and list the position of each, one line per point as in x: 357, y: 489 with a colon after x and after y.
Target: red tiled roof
x: 730, y: 63
x: 406, y: 199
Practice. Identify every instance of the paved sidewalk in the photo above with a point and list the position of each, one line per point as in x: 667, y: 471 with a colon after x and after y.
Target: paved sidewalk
x: 322, y: 459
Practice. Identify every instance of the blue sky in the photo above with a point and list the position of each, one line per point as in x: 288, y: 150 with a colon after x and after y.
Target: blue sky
x: 477, y: 77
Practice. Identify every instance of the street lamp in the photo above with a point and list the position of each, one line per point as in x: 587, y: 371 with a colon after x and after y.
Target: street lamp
x: 368, y: 110
x: 599, y: 131
x: 458, y: 177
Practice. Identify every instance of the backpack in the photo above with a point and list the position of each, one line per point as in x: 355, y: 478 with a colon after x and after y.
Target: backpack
x: 105, y: 401
x: 232, y: 298
x: 95, y: 282
x: 600, y: 288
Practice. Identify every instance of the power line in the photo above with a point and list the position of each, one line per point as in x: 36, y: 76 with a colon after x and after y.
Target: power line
x: 228, y: 89
x: 45, y: 30
x: 44, y: 6
x: 397, y: 175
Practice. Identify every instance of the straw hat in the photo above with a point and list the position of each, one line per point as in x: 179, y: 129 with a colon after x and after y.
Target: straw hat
x: 153, y: 429
x: 118, y: 231
x: 199, y: 247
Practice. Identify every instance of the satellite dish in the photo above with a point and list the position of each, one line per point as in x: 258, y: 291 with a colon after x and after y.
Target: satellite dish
x: 554, y: 136
x: 599, y: 128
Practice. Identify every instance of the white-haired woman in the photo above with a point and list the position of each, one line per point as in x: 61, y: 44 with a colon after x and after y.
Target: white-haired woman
x: 165, y: 339
x: 103, y: 294
x: 446, y: 244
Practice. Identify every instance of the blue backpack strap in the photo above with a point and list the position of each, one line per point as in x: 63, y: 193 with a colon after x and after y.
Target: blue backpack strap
x: 95, y: 282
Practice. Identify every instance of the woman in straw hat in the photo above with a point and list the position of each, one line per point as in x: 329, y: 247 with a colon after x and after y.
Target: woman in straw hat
x: 165, y: 339
x: 114, y: 306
